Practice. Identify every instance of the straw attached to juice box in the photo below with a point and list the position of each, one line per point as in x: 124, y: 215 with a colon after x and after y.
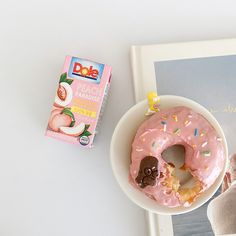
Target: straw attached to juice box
x: 79, y: 101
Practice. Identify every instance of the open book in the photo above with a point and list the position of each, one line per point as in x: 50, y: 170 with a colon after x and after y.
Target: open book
x: 203, y: 71
x: 212, y: 83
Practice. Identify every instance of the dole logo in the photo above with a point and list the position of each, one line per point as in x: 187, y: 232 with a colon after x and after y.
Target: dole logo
x: 88, y: 72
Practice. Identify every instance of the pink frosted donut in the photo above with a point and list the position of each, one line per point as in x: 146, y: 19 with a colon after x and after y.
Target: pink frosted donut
x: 204, y: 156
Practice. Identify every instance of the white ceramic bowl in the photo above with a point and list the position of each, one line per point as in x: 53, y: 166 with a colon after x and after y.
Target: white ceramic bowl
x: 121, y: 148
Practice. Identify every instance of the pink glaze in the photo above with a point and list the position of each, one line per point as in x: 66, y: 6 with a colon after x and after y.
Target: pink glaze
x: 184, y: 127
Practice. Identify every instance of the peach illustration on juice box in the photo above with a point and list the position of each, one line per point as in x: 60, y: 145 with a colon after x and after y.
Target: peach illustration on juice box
x: 79, y: 101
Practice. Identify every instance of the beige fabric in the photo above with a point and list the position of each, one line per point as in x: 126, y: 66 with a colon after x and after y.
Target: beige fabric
x: 222, y: 212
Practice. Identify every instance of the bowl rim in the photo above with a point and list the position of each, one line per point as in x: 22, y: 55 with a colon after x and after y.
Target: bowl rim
x: 140, y: 203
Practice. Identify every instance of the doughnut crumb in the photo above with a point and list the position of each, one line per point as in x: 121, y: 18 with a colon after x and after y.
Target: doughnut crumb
x: 186, y: 194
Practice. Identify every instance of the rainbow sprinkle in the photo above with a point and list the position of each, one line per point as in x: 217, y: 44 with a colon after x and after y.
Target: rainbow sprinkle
x: 194, y: 145
x: 219, y: 139
x: 164, y: 128
x: 187, y: 123
x: 177, y: 131
x: 206, y: 168
x: 204, y: 144
x: 196, y: 132
x: 154, y: 144
x: 206, y: 153
x: 175, y: 117
x: 190, y: 116
x: 164, y: 117
x: 202, y: 134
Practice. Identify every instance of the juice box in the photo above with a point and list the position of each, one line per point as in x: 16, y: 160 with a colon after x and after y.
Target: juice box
x: 79, y: 101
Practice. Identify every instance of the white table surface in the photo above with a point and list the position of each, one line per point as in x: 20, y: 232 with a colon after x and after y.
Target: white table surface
x: 52, y: 188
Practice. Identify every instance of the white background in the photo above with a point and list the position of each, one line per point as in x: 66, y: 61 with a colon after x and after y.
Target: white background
x: 52, y: 188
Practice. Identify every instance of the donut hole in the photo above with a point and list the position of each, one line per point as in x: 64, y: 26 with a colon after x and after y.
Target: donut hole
x: 175, y: 156
x: 181, y: 180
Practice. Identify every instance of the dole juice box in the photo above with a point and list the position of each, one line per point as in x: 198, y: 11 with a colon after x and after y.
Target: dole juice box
x: 79, y: 101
